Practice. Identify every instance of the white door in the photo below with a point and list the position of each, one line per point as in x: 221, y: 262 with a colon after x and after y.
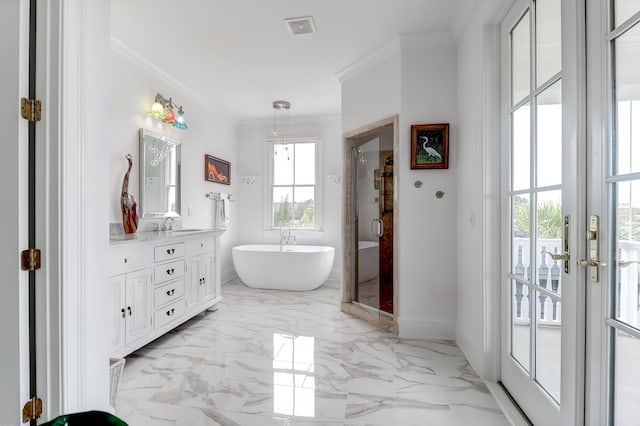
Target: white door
x: 613, y: 328
x: 542, y: 352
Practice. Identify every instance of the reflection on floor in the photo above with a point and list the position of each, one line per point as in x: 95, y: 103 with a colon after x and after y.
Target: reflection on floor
x: 288, y: 358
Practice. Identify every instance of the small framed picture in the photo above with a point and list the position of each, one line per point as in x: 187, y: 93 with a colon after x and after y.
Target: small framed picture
x: 217, y: 170
x: 430, y: 146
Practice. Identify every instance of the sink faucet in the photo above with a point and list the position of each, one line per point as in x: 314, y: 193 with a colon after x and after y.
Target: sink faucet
x: 286, y: 238
x: 169, y: 226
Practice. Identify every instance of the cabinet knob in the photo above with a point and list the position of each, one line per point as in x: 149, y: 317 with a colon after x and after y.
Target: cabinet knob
x: 171, y: 292
x: 129, y: 309
x: 126, y: 260
x: 123, y: 314
x: 171, y: 271
x: 171, y: 312
x: 171, y: 251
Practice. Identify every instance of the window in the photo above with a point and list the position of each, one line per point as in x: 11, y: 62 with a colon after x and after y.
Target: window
x: 294, y: 187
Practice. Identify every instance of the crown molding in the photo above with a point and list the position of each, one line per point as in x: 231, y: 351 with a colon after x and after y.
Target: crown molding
x: 486, y: 12
x: 402, y: 41
x: 136, y: 58
x: 383, y: 52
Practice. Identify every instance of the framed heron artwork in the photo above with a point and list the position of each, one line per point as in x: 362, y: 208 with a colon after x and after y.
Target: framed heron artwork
x: 430, y: 146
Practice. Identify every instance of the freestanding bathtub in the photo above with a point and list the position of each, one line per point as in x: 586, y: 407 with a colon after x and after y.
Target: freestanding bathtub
x: 297, y: 268
x: 368, y: 263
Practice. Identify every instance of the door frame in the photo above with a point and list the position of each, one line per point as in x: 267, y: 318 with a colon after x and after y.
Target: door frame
x: 350, y: 255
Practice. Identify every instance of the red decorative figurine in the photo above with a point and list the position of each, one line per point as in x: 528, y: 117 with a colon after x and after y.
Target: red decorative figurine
x: 128, y: 203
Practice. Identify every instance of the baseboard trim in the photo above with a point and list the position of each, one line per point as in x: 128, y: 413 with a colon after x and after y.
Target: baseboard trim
x: 426, y: 329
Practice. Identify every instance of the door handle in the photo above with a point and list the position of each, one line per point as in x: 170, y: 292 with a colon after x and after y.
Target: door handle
x: 564, y: 257
x: 626, y: 263
x: 555, y: 256
x: 593, y: 237
x: 379, y: 227
x: 593, y: 263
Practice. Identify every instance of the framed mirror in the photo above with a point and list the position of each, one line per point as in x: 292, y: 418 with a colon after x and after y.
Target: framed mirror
x: 159, y: 175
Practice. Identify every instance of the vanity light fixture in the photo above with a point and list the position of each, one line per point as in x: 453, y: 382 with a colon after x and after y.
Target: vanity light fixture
x: 163, y: 109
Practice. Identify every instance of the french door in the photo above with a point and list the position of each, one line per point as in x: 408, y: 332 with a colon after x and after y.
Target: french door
x: 571, y: 299
x: 542, y: 354
x: 613, y: 332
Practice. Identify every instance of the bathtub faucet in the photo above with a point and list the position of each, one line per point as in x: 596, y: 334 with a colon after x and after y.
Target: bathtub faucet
x: 286, y: 238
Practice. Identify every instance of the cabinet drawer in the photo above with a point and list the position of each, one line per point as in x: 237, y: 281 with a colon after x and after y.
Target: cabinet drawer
x: 199, y: 246
x: 169, y: 251
x: 169, y: 313
x: 169, y: 271
x: 122, y: 260
x: 168, y: 293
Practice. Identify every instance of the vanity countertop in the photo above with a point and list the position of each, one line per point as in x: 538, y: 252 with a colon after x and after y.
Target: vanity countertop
x: 159, y: 235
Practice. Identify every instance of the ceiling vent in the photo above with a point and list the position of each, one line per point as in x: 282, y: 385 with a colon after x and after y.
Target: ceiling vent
x: 301, y: 26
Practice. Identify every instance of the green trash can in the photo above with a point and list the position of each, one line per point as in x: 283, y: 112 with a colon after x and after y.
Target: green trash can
x: 90, y: 418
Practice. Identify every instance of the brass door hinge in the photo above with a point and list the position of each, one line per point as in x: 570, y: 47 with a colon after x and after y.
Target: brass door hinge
x: 30, y: 260
x: 31, y: 109
x: 32, y: 409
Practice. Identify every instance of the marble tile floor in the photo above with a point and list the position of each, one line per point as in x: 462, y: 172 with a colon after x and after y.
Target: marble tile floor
x: 286, y: 358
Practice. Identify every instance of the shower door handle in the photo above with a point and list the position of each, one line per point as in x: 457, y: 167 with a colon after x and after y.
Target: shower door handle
x: 377, y: 227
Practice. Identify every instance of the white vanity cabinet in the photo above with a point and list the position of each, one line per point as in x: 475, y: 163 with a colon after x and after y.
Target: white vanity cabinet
x: 131, y: 307
x: 158, y: 282
x: 201, y: 280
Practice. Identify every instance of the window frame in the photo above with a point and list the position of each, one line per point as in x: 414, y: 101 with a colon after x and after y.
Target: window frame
x: 318, y: 186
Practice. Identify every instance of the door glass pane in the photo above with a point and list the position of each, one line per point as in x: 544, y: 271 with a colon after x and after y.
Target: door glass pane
x: 282, y: 164
x: 625, y: 9
x: 548, y: 39
x: 549, y: 136
x: 521, y: 140
x: 626, y: 383
x: 549, y: 239
x: 520, y: 323
x: 548, y: 344
x: 628, y: 253
x: 627, y: 92
x: 521, y: 228
x: 520, y: 60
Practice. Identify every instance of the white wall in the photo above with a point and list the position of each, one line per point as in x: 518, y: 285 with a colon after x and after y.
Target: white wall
x: 418, y: 82
x: 470, y: 218
x: 371, y: 95
x: 252, y: 161
x: 134, y: 85
x: 427, y: 226
x: 478, y: 216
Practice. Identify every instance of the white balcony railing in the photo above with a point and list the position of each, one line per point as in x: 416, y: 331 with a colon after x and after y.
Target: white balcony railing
x: 547, y: 274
